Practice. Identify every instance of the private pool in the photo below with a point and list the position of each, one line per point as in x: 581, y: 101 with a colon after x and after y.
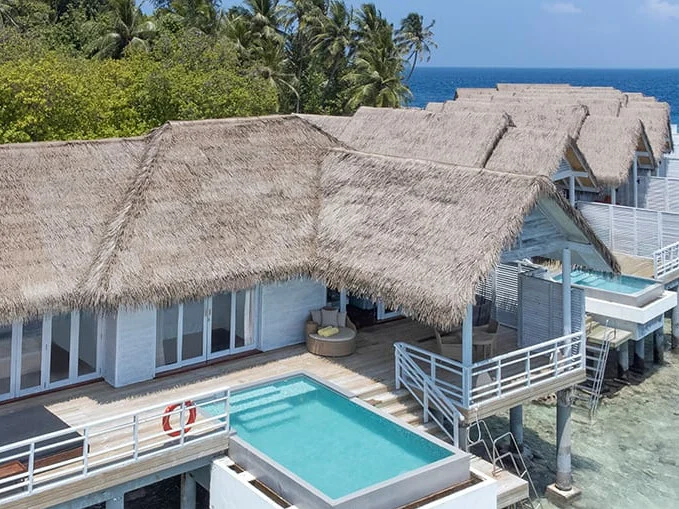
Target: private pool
x: 629, y: 290
x: 320, y: 447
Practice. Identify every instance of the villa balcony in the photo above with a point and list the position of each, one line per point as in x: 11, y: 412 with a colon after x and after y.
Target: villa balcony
x: 498, y: 383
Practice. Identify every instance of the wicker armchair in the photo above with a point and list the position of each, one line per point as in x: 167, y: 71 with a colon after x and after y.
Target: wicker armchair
x: 339, y: 345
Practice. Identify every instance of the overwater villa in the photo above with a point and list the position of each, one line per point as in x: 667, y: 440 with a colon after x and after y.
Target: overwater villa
x: 149, y: 279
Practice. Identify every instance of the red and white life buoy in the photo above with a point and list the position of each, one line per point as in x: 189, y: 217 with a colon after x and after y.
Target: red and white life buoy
x: 167, y: 427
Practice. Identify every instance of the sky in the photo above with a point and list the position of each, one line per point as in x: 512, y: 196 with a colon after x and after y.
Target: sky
x: 534, y: 33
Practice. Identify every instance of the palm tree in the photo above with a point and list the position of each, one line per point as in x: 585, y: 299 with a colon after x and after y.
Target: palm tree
x: 127, y: 31
x: 376, y: 78
x: 415, y: 39
x: 370, y: 24
x: 265, y: 18
x: 7, y: 12
x: 333, y: 39
x: 272, y: 65
x: 198, y: 14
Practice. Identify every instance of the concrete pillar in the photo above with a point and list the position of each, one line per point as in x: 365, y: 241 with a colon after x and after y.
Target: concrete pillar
x: 571, y: 190
x: 564, y: 404
x: 675, y: 327
x: 467, y: 355
x: 635, y: 183
x: 116, y: 502
x: 623, y: 360
x: 188, y: 492
x: 659, y: 346
x: 614, y: 198
x: 343, y: 301
x: 639, y: 355
x: 516, y: 425
x: 463, y: 436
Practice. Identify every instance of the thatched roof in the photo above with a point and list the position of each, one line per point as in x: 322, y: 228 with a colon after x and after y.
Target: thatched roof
x: 529, y: 151
x: 236, y: 201
x: 461, y: 138
x: 55, y: 202
x: 387, y: 222
x: 656, y: 119
x: 535, y: 114
x: 331, y: 124
x: 468, y: 92
x: 202, y: 207
x: 609, y: 144
x: 435, y: 107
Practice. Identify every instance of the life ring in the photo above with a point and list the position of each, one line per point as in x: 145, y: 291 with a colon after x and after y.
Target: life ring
x: 167, y: 427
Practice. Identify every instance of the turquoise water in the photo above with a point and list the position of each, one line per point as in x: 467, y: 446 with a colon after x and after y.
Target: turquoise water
x: 324, y: 438
x: 618, y: 284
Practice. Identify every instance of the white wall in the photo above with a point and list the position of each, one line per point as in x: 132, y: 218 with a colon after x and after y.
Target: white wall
x: 229, y: 490
x: 109, y: 349
x: 135, y: 350
x: 286, y: 308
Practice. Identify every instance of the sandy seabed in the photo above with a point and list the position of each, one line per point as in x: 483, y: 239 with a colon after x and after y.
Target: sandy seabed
x: 627, y: 457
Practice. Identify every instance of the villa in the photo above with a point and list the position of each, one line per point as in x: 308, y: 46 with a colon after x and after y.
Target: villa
x: 160, y: 293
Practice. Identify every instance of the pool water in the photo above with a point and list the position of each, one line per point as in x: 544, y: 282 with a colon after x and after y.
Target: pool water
x: 609, y: 282
x: 332, y: 443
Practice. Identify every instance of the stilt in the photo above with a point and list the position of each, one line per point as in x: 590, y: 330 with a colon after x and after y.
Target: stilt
x: 675, y: 327
x: 563, y: 492
x: 116, y: 502
x: 516, y: 425
x: 659, y: 346
x: 639, y: 355
x: 623, y: 360
x: 463, y: 434
x: 188, y: 492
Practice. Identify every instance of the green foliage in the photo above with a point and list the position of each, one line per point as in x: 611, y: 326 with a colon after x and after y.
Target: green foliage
x: 92, y: 68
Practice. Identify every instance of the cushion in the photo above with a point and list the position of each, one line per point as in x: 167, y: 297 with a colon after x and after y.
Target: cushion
x: 326, y: 332
x: 341, y: 319
x: 316, y: 316
x: 492, y: 326
x: 329, y: 317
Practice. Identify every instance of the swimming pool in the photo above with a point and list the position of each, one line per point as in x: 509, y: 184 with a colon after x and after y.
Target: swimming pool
x: 334, y: 449
x: 629, y: 290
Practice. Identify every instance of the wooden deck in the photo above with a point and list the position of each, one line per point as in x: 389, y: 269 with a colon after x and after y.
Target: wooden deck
x: 369, y: 374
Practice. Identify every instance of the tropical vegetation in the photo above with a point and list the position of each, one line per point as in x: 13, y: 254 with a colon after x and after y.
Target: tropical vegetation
x: 99, y: 68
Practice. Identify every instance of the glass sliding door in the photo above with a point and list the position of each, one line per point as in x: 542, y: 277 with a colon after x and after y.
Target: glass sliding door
x: 60, y: 348
x: 167, y: 326
x: 193, y: 327
x: 88, y: 343
x: 30, y: 360
x: 5, y: 361
x: 220, y: 331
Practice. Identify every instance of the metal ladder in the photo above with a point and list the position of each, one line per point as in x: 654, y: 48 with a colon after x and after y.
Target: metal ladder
x: 498, y: 459
x: 596, y: 356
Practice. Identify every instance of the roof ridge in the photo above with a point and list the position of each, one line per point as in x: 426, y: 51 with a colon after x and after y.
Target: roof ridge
x: 96, y: 276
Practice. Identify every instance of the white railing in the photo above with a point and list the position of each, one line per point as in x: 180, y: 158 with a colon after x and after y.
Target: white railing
x: 62, y: 457
x: 488, y: 380
x: 666, y: 260
x: 527, y: 367
x: 435, y: 404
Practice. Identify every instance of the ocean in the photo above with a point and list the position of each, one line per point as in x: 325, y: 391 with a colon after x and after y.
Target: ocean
x: 435, y: 84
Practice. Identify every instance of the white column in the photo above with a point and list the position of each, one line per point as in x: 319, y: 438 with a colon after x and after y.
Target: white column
x: 343, y: 301
x: 635, y: 184
x: 614, y: 193
x: 571, y: 189
x: 467, y: 357
x: 566, y: 290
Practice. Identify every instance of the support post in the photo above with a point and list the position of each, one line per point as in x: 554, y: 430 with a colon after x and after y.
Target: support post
x: 188, y: 492
x: 516, y: 425
x: 463, y: 436
x: 467, y: 354
x: 117, y: 502
x: 571, y: 190
x: 635, y: 183
x: 343, y: 301
x: 639, y: 355
x: 623, y: 361
x: 566, y: 290
x: 614, y: 193
x: 659, y: 346
x: 675, y: 327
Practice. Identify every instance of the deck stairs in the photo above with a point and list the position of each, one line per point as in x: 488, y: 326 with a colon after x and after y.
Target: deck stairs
x: 600, y: 337
x: 512, y: 489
